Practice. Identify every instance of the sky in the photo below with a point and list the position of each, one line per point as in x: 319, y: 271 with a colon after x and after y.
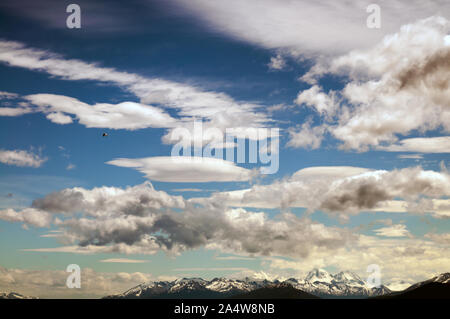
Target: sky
x: 343, y: 130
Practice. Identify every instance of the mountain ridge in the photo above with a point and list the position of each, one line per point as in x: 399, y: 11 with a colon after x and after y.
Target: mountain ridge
x: 318, y: 282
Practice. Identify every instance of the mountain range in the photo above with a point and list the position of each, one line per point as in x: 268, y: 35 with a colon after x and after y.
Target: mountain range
x: 318, y: 282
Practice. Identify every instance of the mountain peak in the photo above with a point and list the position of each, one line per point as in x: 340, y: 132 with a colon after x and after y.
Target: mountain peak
x: 318, y: 274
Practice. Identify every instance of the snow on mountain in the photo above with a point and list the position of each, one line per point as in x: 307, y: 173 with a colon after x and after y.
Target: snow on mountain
x: 317, y: 281
x: 344, y: 283
x: 319, y: 275
x: 442, y: 278
x: 14, y: 295
x: 398, y: 285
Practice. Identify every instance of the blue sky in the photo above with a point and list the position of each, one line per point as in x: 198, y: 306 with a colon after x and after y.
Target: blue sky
x: 358, y: 152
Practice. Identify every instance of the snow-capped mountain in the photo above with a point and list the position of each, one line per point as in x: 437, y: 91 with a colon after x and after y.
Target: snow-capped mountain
x: 344, y: 284
x: 318, y: 282
x: 398, y: 285
x: 14, y: 295
x: 442, y: 278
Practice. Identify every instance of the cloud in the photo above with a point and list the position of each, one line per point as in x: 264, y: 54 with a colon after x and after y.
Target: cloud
x: 408, y: 259
x: 186, y: 169
x: 190, y: 190
x: 21, y: 158
x: 294, y: 25
x: 324, y: 104
x: 125, y: 115
x: 344, y: 191
x: 109, y: 201
x: 306, y: 136
x: 8, y: 95
x: 52, y: 283
x: 190, y: 103
x: 411, y: 156
x: 393, y: 231
x: 141, y: 220
x: 222, y: 269
x: 392, y: 91
x: 29, y: 216
x: 277, y: 63
x: 443, y: 238
x: 124, y: 261
x: 439, y: 144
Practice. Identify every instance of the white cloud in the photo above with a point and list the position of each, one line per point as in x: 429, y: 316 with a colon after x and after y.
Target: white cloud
x: 141, y: 220
x: 186, y: 169
x: 348, y: 190
x: 439, y: 144
x: 8, y: 95
x: 393, y: 91
x: 393, y: 231
x: 411, y: 156
x: 302, y: 26
x: 126, y: 115
x: 20, y: 158
x: 124, y: 261
x: 306, y: 136
x: 405, y: 259
x: 14, y: 111
x: 443, y: 238
x: 217, y: 109
x: 324, y: 104
x: 277, y: 63
x: 52, y: 283
x: 29, y: 216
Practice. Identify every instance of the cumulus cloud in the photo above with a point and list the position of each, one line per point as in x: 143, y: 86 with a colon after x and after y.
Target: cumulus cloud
x: 29, y: 216
x: 348, y: 190
x: 306, y: 136
x: 142, y: 220
x: 21, y: 158
x: 392, y: 91
x: 186, y: 169
x: 108, y: 201
x: 322, y: 103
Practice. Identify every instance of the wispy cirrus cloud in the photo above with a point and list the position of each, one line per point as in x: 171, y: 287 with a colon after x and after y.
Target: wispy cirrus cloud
x: 293, y: 24
x: 217, y: 109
